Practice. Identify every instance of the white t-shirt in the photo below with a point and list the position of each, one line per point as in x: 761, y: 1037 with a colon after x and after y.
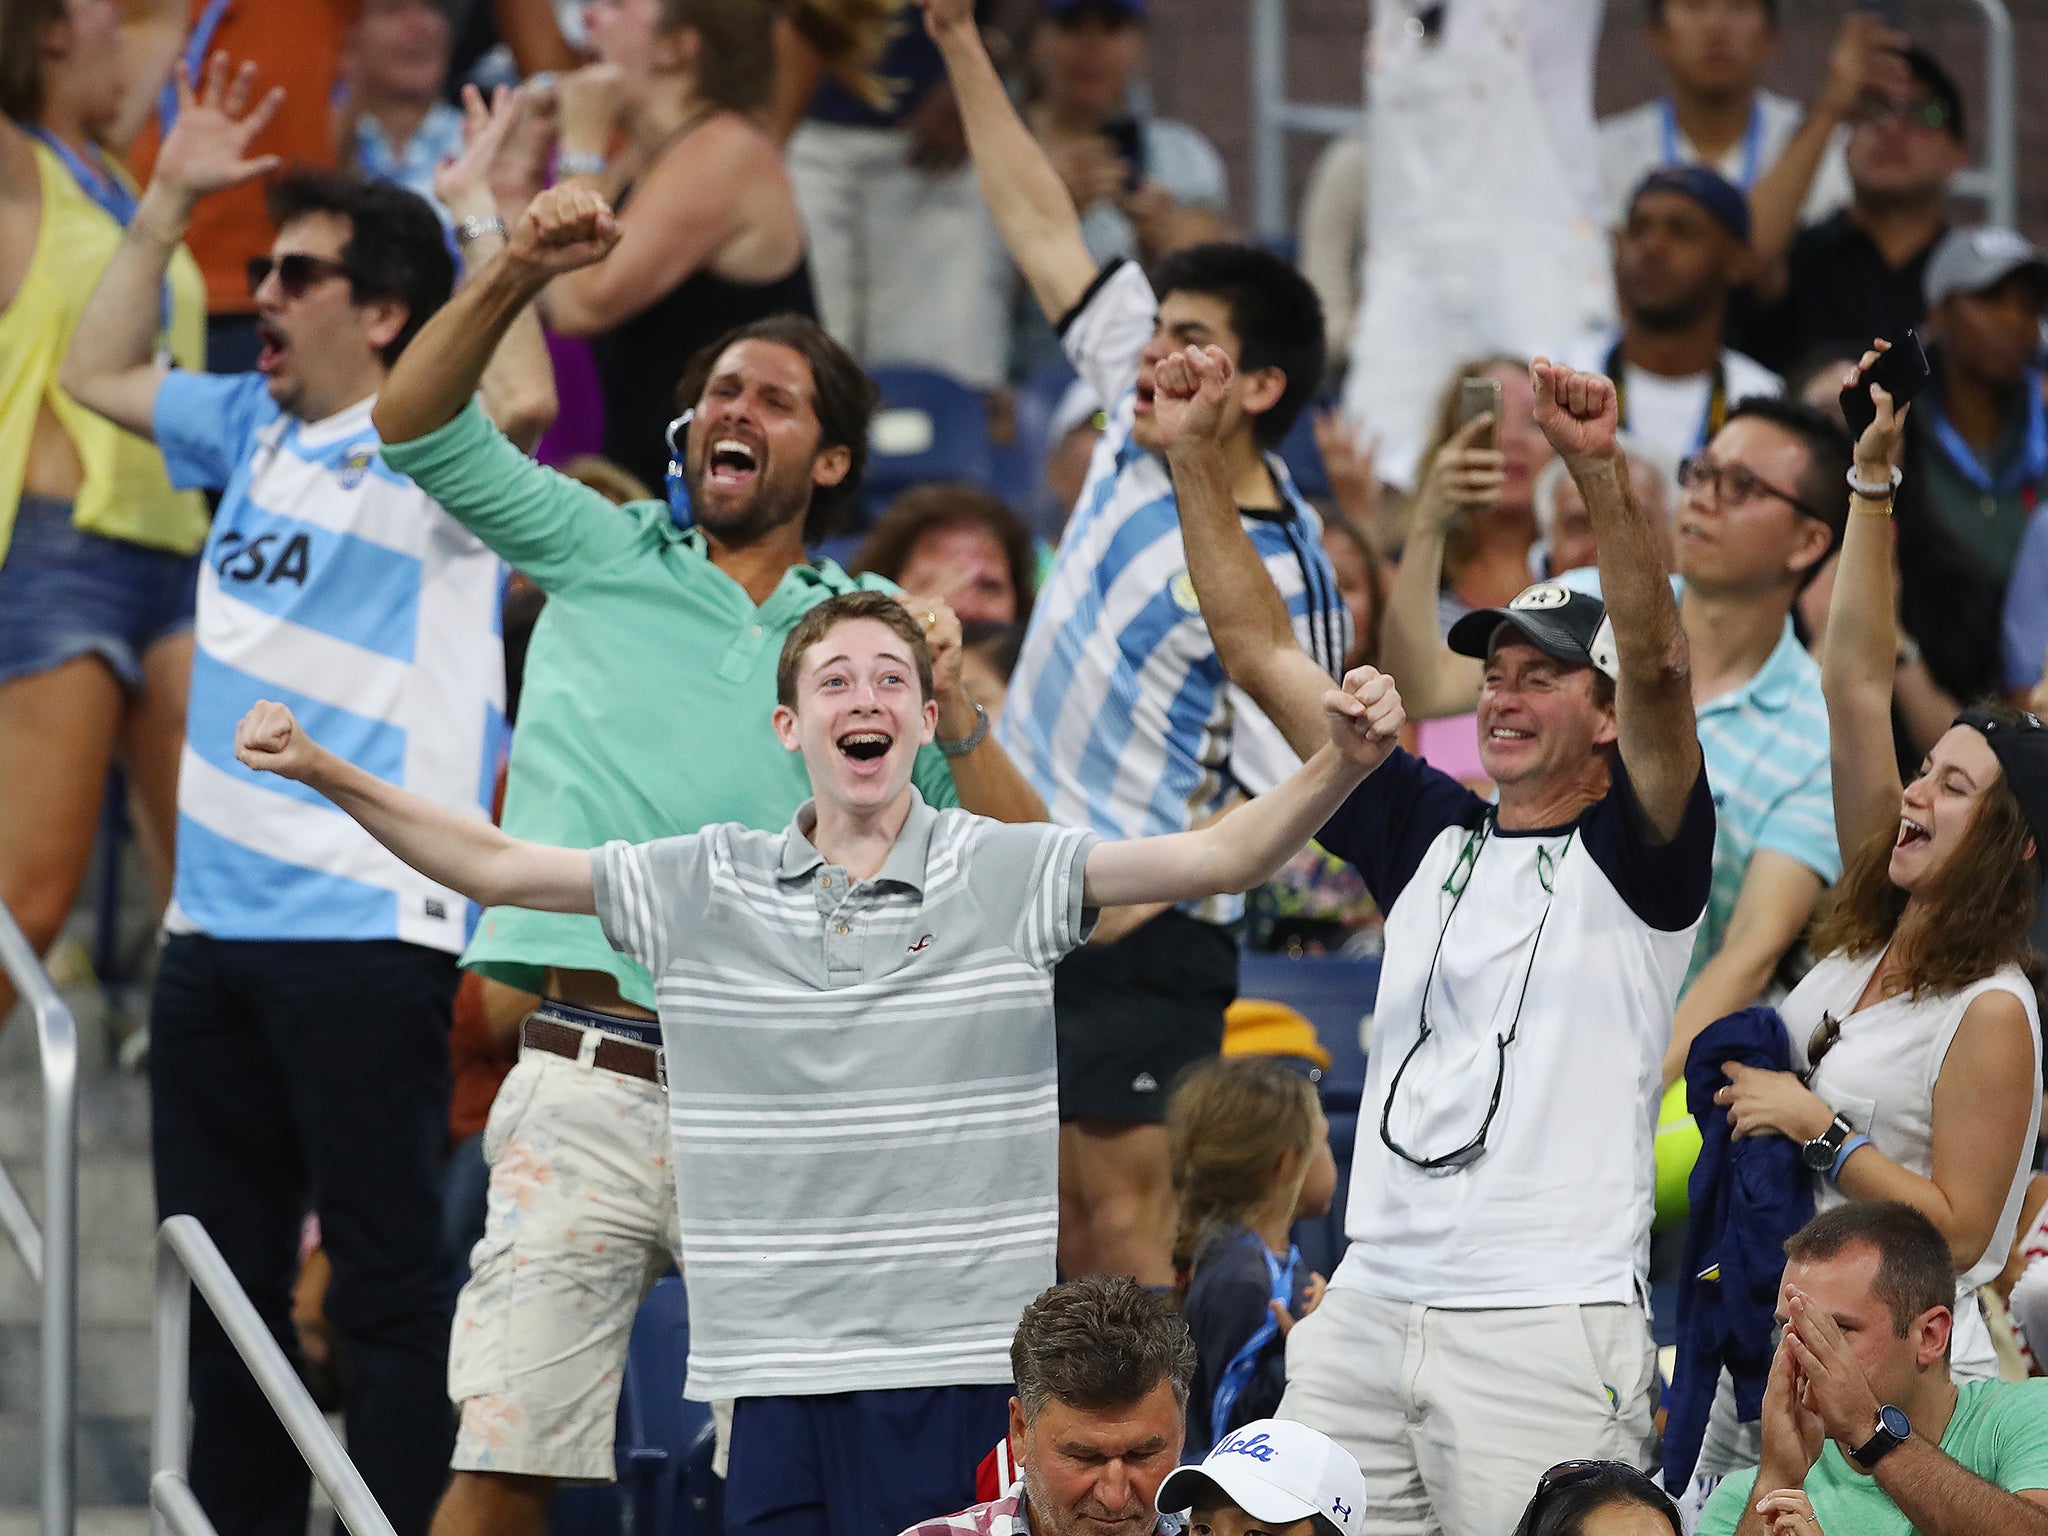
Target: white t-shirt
x: 1880, y: 1076
x: 1571, y: 943
x: 1640, y: 140
x: 1672, y: 415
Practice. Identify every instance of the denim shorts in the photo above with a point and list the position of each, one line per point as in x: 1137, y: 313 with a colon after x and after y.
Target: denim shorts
x: 66, y: 593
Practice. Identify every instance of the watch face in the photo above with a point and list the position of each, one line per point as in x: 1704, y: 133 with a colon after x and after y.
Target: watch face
x: 1894, y: 1421
x: 1820, y: 1157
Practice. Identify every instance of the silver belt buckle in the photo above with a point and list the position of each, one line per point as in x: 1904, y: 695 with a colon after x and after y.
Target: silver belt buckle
x: 661, y: 1068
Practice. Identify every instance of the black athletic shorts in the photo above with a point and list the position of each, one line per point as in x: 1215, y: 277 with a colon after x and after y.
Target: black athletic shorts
x: 1133, y: 1014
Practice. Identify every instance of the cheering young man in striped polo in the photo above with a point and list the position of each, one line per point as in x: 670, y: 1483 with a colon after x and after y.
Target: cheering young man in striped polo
x: 860, y: 1007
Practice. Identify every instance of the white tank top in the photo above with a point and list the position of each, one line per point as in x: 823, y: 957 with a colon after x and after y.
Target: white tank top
x: 1880, y: 1077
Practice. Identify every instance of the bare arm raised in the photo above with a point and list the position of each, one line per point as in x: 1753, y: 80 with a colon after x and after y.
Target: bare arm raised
x: 112, y: 367
x: 1658, y: 736
x: 1023, y: 191
x: 1860, y: 653
x: 1362, y: 724
x: 464, y: 853
x: 1247, y: 617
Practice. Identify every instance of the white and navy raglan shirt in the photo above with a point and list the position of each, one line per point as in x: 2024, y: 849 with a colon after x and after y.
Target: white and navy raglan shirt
x: 1119, y: 711
x: 334, y: 585
x: 1569, y: 944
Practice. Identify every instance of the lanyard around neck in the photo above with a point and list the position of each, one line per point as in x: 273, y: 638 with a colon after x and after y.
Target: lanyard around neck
x: 1752, y: 140
x: 1712, y: 420
x: 1237, y: 1375
x: 2020, y: 475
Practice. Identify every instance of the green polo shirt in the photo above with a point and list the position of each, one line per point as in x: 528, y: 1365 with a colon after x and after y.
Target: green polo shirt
x: 649, y: 682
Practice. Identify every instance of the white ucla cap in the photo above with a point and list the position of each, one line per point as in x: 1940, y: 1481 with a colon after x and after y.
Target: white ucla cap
x: 1278, y: 1471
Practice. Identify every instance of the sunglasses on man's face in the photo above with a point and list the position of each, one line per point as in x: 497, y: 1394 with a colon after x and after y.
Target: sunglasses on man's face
x: 295, y: 273
x: 1878, y: 110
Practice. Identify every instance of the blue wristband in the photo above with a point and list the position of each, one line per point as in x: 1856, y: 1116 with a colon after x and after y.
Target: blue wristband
x: 1842, y: 1157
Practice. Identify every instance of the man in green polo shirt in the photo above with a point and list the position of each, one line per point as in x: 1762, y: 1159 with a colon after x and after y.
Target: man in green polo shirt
x: 644, y: 715
x: 1861, y: 1413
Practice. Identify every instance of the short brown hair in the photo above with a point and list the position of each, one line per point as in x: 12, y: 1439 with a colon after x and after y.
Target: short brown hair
x: 1973, y: 918
x: 956, y: 504
x: 1915, y: 1270
x: 814, y: 626
x: 1099, y: 1342
x: 842, y: 395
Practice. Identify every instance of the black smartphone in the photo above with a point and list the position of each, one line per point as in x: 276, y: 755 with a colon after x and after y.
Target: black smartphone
x: 1123, y: 132
x: 1902, y: 372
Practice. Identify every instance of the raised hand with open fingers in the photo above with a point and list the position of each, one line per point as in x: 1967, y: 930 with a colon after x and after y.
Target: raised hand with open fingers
x: 1188, y: 390
x: 1366, y: 716
x: 1577, y: 411
x: 463, y: 183
x: 1463, y: 477
x: 564, y: 228
x: 269, y: 740
x: 207, y: 148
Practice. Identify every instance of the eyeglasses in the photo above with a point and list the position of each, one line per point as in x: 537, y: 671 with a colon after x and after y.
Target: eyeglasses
x: 1876, y: 110
x: 1732, y: 485
x: 295, y: 272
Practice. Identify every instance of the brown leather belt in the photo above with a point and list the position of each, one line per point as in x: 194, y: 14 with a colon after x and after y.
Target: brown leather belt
x: 629, y: 1058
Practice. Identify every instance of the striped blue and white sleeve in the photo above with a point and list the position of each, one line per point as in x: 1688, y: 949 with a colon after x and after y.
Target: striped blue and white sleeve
x: 637, y: 886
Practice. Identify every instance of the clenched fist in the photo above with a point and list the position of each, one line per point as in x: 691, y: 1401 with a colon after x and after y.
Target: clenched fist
x: 1366, y: 716
x: 564, y: 228
x: 269, y: 740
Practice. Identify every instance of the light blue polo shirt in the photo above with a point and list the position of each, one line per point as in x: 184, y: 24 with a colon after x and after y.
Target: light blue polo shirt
x: 1766, y: 749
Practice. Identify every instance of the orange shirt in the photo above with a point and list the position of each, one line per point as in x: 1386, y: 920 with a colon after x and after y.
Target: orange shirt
x: 296, y: 44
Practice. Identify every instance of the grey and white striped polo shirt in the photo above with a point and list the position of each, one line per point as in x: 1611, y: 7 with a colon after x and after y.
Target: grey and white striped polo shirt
x: 861, y: 1091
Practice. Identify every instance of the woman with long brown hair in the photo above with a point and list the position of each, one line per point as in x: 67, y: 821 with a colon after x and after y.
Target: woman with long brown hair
x: 710, y: 238
x: 1916, y: 1034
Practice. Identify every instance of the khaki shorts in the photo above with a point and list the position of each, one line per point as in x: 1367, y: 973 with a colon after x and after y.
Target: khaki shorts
x: 582, y: 1221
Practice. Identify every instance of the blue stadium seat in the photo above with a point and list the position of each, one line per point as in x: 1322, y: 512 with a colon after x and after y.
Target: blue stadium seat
x: 1335, y: 996
x: 930, y: 427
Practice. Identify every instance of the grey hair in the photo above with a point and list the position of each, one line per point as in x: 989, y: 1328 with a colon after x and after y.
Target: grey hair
x: 1100, y: 1342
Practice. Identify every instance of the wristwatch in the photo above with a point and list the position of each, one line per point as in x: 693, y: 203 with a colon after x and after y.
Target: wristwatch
x: 1894, y: 1429
x: 1820, y: 1152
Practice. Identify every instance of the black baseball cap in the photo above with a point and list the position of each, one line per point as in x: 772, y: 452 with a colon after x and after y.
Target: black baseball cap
x: 1569, y: 625
x: 1939, y: 84
x: 2021, y: 746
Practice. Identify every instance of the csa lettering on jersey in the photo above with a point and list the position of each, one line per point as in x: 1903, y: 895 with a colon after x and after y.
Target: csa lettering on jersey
x: 268, y: 558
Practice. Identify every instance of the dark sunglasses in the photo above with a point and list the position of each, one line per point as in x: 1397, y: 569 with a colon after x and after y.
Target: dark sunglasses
x: 1825, y: 1034
x: 1566, y: 1473
x: 295, y: 273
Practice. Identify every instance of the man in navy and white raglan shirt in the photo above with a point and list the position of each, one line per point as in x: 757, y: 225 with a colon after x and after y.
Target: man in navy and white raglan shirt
x: 299, y: 1030
x: 1119, y: 711
x: 1487, y: 1321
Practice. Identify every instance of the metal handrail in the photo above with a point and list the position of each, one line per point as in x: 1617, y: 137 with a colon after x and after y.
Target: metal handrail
x: 51, y: 1254
x: 1274, y: 117
x: 187, y: 1258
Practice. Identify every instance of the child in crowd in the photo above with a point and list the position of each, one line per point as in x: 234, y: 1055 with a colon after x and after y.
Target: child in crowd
x: 1273, y: 1477
x: 1250, y: 1153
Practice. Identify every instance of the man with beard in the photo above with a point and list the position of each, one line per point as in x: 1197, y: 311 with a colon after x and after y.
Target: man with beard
x: 644, y: 715
x: 299, y: 1027
x: 1682, y: 250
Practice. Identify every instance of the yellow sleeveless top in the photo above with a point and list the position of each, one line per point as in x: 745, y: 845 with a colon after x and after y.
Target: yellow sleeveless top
x: 125, y: 493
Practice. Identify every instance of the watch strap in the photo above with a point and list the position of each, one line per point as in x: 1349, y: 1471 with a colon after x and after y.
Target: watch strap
x: 1883, y: 1438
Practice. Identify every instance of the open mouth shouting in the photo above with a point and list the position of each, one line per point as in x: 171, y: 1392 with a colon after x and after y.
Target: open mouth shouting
x: 1911, y: 833
x: 730, y: 462
x: 273, y: 345
x: 865, y: 746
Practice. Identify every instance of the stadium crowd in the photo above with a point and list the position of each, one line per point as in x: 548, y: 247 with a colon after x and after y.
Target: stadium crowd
x: 724, y: 620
